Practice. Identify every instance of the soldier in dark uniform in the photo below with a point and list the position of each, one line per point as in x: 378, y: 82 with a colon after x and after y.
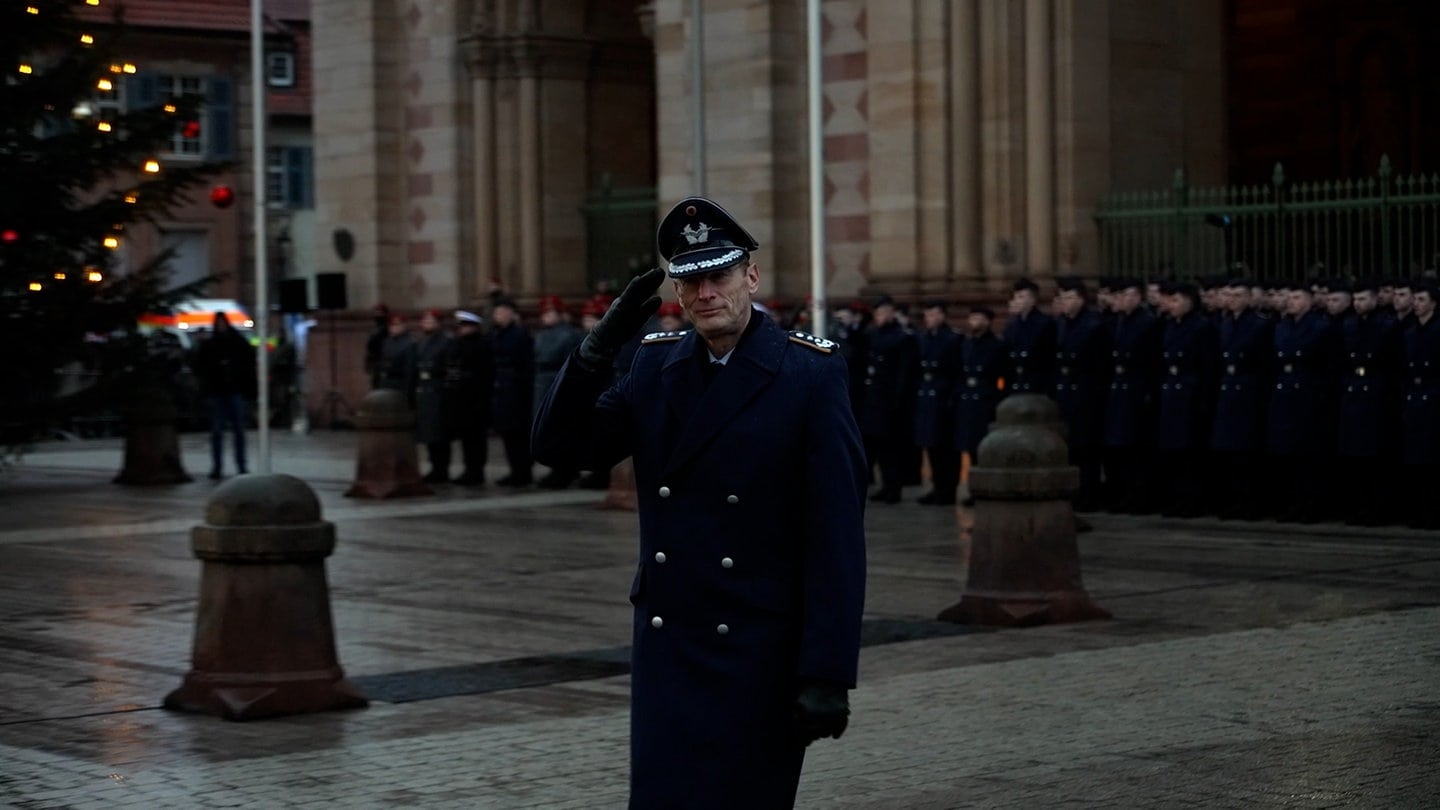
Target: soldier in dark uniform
x: 934, y: 414
x: 887, y: 413
x: 1369, y: 393
x: 1299, y: 433
x: 1402, y: 301
x: 847, y: 332
x: 1421, y: 408
x: 554, y: 342
x: 469, y: 378
x: 432, y: 429
x: 1030, y: 340
x: 1189, y: 357
x: 751, y: 481
x: 514, y: 389
x: 1238, y: 436
x: 397, y: 359
x: 978, y: 386
x: 1082, y: 377
x: 375, y: 344
x: 1131, y: 405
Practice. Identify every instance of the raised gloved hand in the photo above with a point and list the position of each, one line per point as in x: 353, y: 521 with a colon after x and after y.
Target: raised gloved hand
x: 821, y: 710
x: 621, y: 321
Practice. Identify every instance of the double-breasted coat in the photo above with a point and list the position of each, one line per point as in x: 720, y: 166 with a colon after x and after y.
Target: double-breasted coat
x: 1130, y: 405
x: 1421, y: 403
x: 1300, y: 420
x: 1082, y: 375
x: 469, y: 378
x: 1245, y: 364
x: 1188, y: 359
x: 1030, y: 341
x: 431, y: 361
x: 514, y: 350
x: 939, y: 361
x: 1369, y: 356
x: 887, y: 410
x: 977, y: 390
x: 752, y: 559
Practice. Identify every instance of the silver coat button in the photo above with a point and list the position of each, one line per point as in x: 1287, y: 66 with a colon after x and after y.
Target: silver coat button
x: 660, y: 556
x: 726, y: 562
x: 722, y: 629
x: 657, y: 622
x: 664, y: 492
x: 732, y: 499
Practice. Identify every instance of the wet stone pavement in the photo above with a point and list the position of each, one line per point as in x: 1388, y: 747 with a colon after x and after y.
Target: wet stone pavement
x: 1248, y: 664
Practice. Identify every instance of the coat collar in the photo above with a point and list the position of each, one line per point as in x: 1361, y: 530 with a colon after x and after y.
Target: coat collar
x: 702, y: 412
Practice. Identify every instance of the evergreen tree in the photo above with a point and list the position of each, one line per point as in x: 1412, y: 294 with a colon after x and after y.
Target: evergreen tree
x: 76, y: 175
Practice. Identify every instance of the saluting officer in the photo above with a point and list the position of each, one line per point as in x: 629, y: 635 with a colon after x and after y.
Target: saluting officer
x: 934, y: 417
x: 751, y: 481
x: 1421, y: 408
x: 1130, y: 405
x: 1238, y: 436
x: 1082, y: 371
x: 1299, y: 428
x: 1188, y: 358
x: 1030, y: 340
x: 978, y: 388
x: 432, y: 429
x: 887, y: 413
x: 1367, y: 434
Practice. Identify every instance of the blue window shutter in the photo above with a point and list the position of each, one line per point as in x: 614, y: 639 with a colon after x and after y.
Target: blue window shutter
x: 220, y: 118
x: 142, y: 90
x: 299, y: 177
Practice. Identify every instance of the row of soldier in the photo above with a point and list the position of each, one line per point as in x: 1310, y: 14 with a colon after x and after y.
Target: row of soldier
x: 1297, y: 402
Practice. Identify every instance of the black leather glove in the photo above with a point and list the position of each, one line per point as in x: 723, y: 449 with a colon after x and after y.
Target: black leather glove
x: 821, y: 710
x: 621, y: 321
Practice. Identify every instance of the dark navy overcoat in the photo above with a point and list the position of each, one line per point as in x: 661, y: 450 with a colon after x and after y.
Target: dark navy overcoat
x: 431, y: 354
x: 1421, y: 404
x: 1302, y: 403
x: 983, y: 361
x: 514, y: 352
x: 1369, y: 391
x: 887, y: 407
x: 935, y: 388
x: 1031, y: 343
x: 1130, y: 405
x: 752, y: 555
x: 1188, y: 359
x: 1244, y: 391
x: 1082, y: 377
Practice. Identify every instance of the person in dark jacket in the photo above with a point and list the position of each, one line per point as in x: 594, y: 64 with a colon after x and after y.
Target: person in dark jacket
x: 1131, y: 403
x: 1189, y: 355
x: 432, y: 428
x: 375, y: 344
x: 469, y: 380
x: 1082, y: 376
x: 1238, y: 435
x: 1367, y: 436
x: 939, y: 352
x: 1420, y: 412
x: 397, y: 359
x: 225, y: 369
x: 847, y: 331
x: 1299, y: 432
x: 750, y: 475
x: 887, y: 413
x: 978, y: 386
x: 514, y: 388
x: 554, y: 341
x: 1030, y: 340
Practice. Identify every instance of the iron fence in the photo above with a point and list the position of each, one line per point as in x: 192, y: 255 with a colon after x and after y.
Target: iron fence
x: 1385, y: 225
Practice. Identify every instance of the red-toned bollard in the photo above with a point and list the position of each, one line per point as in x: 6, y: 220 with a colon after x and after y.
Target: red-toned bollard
x: 387, y: 465
x: 264, y: 639
x: 152, y: 440
x: 1024, y: 561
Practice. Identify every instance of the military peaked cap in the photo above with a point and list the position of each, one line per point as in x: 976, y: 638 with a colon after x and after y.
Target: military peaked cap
x: 698, y: 236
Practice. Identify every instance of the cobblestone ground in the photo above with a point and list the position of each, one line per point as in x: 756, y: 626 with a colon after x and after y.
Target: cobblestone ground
x: 1249, y: 665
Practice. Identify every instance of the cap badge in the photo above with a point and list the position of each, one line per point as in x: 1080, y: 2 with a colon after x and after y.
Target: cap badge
x: 696, y: 236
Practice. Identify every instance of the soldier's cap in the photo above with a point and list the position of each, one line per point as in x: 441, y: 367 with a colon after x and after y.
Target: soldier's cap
x: 698, y: 236
x: 1365, y: 285
x: 1184, y: 288
x: 502, y: 301
x: 986, y: 311
x: 432, y: 313
x: 1238, y: 281
x: 1429, y: 288
x: 594, y: 308
x: 465, y: 316
x: 396, y: 318
x: 671, y: 309
x: 1127, y: 283
x: 882, y: 300
x: 1339, y: 285
x: 937, y: 303
x: 1295, y: 284
x: 1023, y: 284
x: 1070, y: 284
x: 554, y: 303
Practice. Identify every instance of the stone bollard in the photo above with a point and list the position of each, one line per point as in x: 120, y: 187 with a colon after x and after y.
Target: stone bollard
x: 1024, y: 563
x: 152, y: 441
x: 388, y: 465
x: 264, y: 640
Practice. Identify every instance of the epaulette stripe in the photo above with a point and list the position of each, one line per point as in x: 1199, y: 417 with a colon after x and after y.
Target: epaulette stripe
x: 810, y: 341
x: 663, y: 337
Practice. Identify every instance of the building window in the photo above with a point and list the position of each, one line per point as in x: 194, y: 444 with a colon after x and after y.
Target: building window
x: 170, y: 87
x: 289, y: 177
x: 280, y: 69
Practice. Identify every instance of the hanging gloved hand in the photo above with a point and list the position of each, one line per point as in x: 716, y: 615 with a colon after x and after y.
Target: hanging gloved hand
x: 621, y: 321
x: 821, y: 710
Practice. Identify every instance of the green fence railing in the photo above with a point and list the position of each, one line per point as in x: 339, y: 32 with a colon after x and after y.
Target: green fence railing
x: 1378, y: 226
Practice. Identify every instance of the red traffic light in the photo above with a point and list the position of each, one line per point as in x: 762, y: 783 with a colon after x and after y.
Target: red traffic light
x: 222, y: 196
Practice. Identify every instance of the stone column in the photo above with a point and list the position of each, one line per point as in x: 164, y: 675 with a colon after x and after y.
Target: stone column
x: 530, y: 194
x: 1002, y: 131
x: 966, y: 249
x: 1039, y: 137
x: 480, y: 58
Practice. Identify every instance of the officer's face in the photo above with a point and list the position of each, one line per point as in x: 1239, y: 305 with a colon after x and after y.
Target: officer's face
x: 1298, y: 302
x: 718, y: 302
x: 883, y: 314
x: 1178, y: 305
x: 1424, y: 304
x: 549, y: 317
x: 977, y: 323
x: 1387, y: 294
x: 1237, y: 299
x: 428, y: 323
x: 397, y: 327
x: 1403, y: 299
x: 934, y: 318
x: 1127, y: 300
x: 1022, y: 301
x: 1152, y: 294
x: 1337, y: 303
x: 503, y: 316
x: 1365, y: 302
x: 1068, y: 303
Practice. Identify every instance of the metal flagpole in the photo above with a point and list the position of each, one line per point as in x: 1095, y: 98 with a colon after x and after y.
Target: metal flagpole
x: 697, y: 89
x: 257, y: 184
x: 818, y: 305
